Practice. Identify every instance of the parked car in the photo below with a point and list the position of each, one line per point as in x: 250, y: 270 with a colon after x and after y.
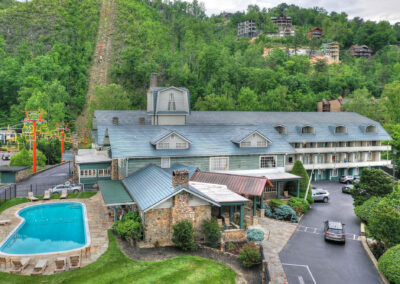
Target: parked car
x: 346, y: 179
x: 347, y: 188
x: 68, y: 186
x: 6, y: 156
x: 320, y: 194
x: 334, y: 231
x: 356, y: 179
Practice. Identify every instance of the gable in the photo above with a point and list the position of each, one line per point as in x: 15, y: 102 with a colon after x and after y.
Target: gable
x: 254, y: 140
x: 174, y: 100
x: 173, y: 141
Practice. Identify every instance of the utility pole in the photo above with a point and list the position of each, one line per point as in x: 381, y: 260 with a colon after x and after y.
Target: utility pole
x: 62, y: 127
x: 34, y: 116
x: 85, y: 132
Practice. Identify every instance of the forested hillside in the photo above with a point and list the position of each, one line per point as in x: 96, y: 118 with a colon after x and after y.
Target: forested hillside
x: 188, y: 49
x: 45, y: 51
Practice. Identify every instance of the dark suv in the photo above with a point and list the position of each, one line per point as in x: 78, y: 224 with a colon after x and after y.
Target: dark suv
x: 334, y: 231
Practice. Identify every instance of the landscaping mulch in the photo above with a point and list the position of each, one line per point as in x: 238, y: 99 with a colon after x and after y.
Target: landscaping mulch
x: 249, y: 275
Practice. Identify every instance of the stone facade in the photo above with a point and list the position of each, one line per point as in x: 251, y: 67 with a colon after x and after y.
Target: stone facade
x: 157, y: 226
x: 114, y: 170
x: 234, y: 235
x: 21, y: 175
x: 181, y: 209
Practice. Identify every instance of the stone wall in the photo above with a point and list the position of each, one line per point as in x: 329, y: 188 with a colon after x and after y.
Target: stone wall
x: 21, y: 175
x: 181, y: 210
x: 114, y: 169
x: 201, y: 213
x: 234, y: 235
x: 157, y: 226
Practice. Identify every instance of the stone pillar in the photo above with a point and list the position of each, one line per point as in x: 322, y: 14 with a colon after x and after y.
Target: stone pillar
x: 114, y: 169
x: 153, y: 80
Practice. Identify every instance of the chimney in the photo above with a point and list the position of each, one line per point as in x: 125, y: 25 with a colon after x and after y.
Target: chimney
x: 142, y: 121
x: 180, y: 177
x: 115, y: 120
x: 153, y: 80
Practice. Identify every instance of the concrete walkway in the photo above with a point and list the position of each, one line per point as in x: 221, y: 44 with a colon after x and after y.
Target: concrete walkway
x: 277, y: 234
x: 98, y: 226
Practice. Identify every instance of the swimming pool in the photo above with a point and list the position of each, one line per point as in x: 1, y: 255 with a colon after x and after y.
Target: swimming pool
x: 49, y: 228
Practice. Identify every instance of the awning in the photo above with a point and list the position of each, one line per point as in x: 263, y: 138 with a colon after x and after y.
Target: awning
x: 270, y: 175
x: 114, y: 193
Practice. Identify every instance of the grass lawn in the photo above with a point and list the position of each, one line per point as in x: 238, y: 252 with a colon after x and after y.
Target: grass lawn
x: 19, y: 200
x: 114, y: 267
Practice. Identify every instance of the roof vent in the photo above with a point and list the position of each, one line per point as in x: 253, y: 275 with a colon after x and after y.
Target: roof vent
x: 115, y: 120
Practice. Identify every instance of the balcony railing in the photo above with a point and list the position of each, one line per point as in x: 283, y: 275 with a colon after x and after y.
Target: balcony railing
x: 344, y: 149
x: 338, y: 165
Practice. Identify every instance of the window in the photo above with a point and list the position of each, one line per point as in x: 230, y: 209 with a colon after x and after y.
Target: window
x: 281, y: 129
x: 267, y: 162
x: 356, y: 171
x: 88, y: 173
x: 262, y: 143
x: 165, y: 162
x: 245, y: 144
x: 290, y: 160
x: 320, y: 172
x: 297, y: 145
x: 334, y: 158
x: 370, y: 129
x: 369, y: 143
x: 163, y: 145
x: 181, y: 145
x: 320, y: 159
x: 321, y: 145
x: 340, y: 129
x: 357, y: 157
x: 219, y: 163
x: 171, y: 102
x: 334, y: 172
x: 369, y: 156
x: 307, y: 130
x: 104, y: 172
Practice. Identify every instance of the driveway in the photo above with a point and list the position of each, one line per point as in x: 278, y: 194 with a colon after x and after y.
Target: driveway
x: 307, y: 258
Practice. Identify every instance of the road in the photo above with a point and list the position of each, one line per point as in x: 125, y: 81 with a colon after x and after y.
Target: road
x: 307, y: 258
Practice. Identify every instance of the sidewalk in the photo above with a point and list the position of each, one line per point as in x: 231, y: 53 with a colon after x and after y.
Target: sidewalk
x: 277, y: 234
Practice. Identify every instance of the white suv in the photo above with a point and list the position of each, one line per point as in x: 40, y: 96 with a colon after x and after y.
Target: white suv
x: 69, y: 187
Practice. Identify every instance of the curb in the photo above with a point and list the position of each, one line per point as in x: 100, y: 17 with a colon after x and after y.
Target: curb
x: 370, y: 255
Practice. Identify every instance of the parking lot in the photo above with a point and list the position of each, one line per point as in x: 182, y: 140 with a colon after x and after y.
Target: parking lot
x: 307, y: 258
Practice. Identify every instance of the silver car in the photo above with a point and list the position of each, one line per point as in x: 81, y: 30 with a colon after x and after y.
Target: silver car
x: 320, y: 194
x: 69, y: 187
x: 346, y: 179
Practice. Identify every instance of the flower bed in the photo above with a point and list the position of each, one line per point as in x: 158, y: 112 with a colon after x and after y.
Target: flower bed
x: 234, y: 247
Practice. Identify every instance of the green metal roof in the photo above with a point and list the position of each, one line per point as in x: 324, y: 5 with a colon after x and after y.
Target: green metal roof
x: 114, y: 193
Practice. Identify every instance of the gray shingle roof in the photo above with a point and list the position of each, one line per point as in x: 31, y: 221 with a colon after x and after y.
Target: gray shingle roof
x: 178, y: 166
x: 166, y: 132
x: 151, y: 185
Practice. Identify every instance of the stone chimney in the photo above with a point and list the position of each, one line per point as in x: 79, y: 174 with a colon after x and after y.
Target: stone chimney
x: 180, y: 177
x: 142, y: 120
x: 153, y: 80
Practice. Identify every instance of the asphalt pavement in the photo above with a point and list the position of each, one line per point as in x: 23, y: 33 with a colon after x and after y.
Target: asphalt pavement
x: 308, y: 258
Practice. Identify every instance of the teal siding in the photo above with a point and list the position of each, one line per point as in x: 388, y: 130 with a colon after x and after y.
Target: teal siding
x: 90, y: 181
x: 244, y: 162
x: 8, y: 177
x: 203, y: 163
x: 137, y: 164
x: 94, y: 166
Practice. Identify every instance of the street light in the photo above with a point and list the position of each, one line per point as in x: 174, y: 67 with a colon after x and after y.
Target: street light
x: 394, y: 165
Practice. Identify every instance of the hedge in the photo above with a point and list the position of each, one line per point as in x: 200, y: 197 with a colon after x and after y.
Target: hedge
x: 389, y: 264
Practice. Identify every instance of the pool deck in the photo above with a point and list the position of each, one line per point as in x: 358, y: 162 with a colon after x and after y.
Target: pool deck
x: 98, y: 226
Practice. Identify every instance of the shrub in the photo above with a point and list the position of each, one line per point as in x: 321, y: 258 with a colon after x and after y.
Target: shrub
x: 24, y: 158
x: 299, y: 170
x: 285, y: 212
x: 129, y: 229
x: 389, y: 264
x: 183, y: 235
x: 212, y: 231
x: 256, y: 235
x: 365, y: 210
x: 268, y: 211
x: 299, y: 205
x: 132, y: 216
x: 274, y: 203
x: 250, y: 255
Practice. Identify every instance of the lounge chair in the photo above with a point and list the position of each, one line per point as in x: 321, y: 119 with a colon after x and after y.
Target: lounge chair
x: 3, y: 260
x: 46, y: 195
x: 40, y: 267
x: 74, y: 262
x: 64, y: 194
x: 61, y: 264
x: 31, y: 197
x: 5, y: 222
x: 18, y: 266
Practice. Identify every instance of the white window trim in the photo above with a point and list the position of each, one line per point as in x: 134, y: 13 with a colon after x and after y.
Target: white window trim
x: 167, y: 159
x: 333, y: 171
x: 271, y: 156
x: 356, y: 171
x: 211, y: 159
x: 88, y: 173
x: 106, y: 172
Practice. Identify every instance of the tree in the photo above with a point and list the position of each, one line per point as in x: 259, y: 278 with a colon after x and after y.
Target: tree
x: 248, y: 100
x: 373, y: 182
x: 299, y: 170
x: 389, y: 264
x: 212, y: 231
x: 384, y: 223
x: 111, y: 97
x: 25, y: 158
x: 391, y: 94
x: 183, y: 235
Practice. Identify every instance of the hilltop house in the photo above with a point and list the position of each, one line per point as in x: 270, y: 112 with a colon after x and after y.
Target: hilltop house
x: 360, y: 51
x: 248, y: 29
x: 331, y: 50
x: 331, y: 106
x: 315, y: 33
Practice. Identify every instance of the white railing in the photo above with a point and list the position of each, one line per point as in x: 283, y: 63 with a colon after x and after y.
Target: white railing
x: 344, y: 149
x: 317, y: 166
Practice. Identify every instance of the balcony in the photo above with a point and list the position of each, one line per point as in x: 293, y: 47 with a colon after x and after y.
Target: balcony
x: 343, y: 165
x: 343, y: 149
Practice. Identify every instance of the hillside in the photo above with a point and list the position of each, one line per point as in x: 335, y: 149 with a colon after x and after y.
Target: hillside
x: 46, y: 47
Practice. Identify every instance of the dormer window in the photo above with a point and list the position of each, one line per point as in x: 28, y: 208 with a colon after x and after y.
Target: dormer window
x: 171, y: 140
x: 370, y: 129
x: 340, y: 129
x: 281, y: 129
x: 252, y: 140
x: 171, y: 102
x: 308, y: 130
x: 115, y: 120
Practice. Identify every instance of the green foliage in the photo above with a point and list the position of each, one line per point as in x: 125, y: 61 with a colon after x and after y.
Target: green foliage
x: 273, y: 203
x: 111, y: 97
x: 372, y: 183
x: 250, y: 255
x: 130, y: 227
x: 183, y: 235
x: 365, y: 210
x: 212, y: 231
x: 24, y: 158
x: 256, y: 235
x: 286, y: 213
x: 51, y: 149
x: 299, y: 170
x: 384, y: 222
x: 389, y: 264
x: 268, y: 211
x: 299, y: 205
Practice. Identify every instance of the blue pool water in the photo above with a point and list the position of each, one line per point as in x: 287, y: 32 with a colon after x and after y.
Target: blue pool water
x: 48, y: 228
